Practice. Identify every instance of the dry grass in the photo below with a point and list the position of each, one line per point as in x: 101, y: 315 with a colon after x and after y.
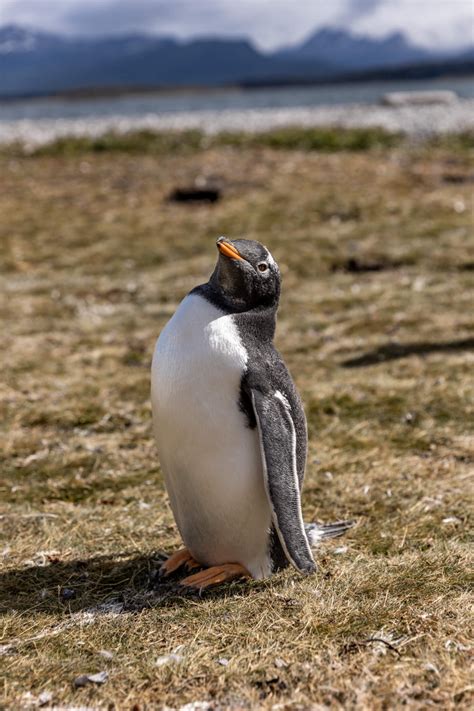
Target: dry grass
x: 94, y: 262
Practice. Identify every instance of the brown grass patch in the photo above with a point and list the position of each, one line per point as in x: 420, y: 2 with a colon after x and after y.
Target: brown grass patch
x: 94, y: 261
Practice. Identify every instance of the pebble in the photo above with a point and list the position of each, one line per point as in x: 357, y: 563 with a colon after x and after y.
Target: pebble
x: 84, y: 679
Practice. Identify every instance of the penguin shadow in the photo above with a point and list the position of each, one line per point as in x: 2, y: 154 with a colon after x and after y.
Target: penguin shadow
x: 107, y: 583
x: 394, y: 351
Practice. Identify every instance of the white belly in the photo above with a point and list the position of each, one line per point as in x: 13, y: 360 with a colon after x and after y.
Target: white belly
x: 210, y: 458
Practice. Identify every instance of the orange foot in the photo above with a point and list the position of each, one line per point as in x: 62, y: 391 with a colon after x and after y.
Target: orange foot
x: 215, y: 575
x: 179, y: 559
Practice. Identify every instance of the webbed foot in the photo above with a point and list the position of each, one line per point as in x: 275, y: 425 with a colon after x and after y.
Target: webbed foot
x: 180, y: 559
x: 215, y: 575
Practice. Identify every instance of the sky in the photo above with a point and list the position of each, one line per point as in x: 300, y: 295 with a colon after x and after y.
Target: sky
x: 269, y: 23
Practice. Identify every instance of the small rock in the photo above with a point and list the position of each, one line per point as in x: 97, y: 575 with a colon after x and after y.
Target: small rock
x: 45, y: 698
x: 99, y: 678
x: 84, y: 679
x: 453, y: 645
x: 280, y: 663
x: 168, y: 659
x: 68, y: 594
x: 81, y: 680
x: 223, y: 661
x: 418, y: 284
x: 7, y: 649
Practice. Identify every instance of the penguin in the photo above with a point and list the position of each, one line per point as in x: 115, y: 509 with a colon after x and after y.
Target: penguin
x: 230, y: 428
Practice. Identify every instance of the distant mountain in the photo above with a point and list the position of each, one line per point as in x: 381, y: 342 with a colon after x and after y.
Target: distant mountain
x: 37, y: 62
x: 34, y: 62
x: 348, y: 51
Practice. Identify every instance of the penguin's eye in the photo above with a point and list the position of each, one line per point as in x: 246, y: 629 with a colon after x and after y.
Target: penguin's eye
x: 262, y: 267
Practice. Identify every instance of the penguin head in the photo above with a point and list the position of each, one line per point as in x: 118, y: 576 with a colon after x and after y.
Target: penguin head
x: 246, y: 275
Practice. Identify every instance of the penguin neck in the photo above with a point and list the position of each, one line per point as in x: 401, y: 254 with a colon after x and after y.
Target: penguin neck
x: 260, y: 319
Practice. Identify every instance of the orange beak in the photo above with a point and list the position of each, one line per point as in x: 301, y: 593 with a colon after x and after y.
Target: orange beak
x: 228, y: 249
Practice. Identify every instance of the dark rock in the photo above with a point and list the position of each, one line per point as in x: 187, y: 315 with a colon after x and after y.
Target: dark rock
x: 195, y: 195
x: 68, y: 594
x: 358, y: 266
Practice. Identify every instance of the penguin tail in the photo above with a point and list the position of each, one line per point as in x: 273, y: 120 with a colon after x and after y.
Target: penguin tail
x: 318, y: 532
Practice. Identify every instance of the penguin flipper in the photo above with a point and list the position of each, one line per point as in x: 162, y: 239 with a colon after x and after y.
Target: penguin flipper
x: 278, y: 448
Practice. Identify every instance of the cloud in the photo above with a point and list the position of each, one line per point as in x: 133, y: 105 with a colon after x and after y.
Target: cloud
x: 127, y: 15
x: 269, y: 23
x: 431, y: 23
x: 358, y: 9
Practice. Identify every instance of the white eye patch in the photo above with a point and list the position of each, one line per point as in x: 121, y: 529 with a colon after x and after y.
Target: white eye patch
x: 270, y: 259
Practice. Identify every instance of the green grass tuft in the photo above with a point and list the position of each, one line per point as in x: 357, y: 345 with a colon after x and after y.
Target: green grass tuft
x: 327, y: 140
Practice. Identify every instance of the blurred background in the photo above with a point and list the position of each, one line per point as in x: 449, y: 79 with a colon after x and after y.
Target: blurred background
x: 214, y: 65
x: 132, y: 135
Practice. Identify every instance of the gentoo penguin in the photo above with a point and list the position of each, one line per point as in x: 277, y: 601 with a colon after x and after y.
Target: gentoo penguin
x: 230, y: 427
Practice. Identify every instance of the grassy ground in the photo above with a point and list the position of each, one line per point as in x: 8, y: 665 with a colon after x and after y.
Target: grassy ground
x: 376, y: 324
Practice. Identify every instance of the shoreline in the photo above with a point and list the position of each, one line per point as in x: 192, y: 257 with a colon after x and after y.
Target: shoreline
x: 414, y: 121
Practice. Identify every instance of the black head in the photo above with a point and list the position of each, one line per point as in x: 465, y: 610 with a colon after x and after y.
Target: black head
x: 246, y: 275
